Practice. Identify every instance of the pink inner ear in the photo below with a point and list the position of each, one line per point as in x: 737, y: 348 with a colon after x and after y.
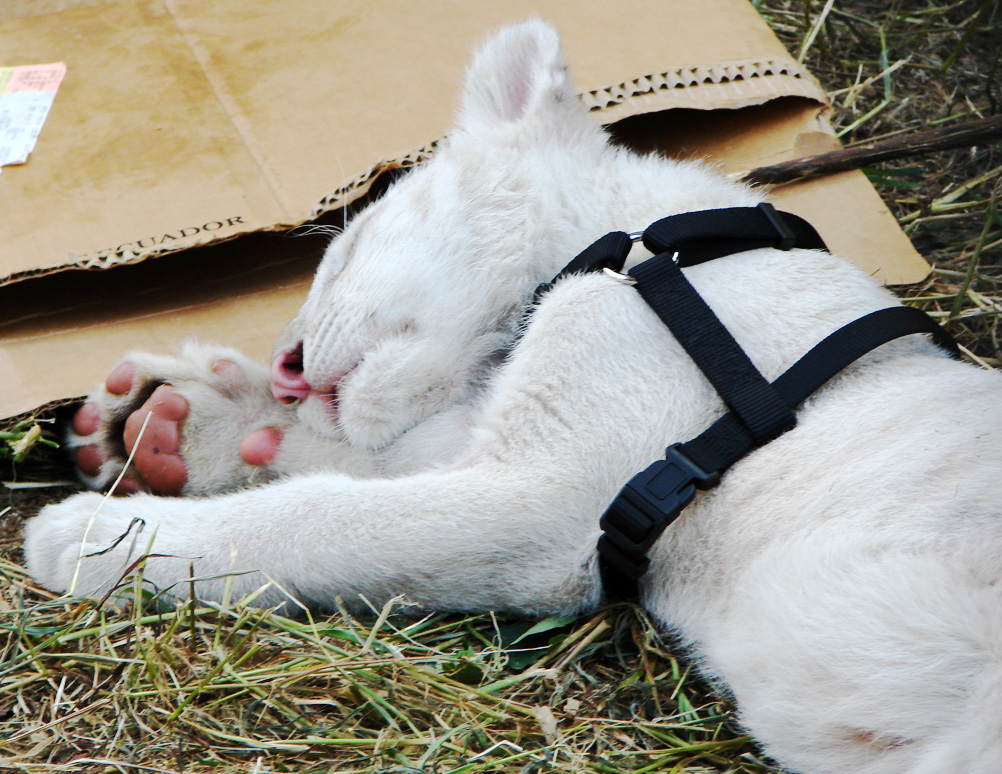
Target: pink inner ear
x: 518, y: 95
x: 511, y: 73
x: 519, y: 74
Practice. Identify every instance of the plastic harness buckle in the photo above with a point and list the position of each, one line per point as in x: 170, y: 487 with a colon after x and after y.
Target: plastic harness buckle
x: 644, y: 508
x: 787, y: 239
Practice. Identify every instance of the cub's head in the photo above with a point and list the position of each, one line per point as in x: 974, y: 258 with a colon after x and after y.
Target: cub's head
x: 424, y: 286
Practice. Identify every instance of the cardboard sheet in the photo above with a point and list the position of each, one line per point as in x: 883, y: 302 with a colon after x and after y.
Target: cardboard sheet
x: 182, y: 123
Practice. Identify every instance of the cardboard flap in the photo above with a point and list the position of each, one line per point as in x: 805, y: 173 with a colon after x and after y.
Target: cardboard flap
x: 845, y: 209
x: 181, y: 122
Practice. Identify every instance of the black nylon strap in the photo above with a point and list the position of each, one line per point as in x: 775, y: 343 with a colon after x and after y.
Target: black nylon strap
x: 646, y: 511
x: 726, y: 441
x: 702, y: 236
x: 745, y: 391
x: 697, y: 237
x: 609, y: 252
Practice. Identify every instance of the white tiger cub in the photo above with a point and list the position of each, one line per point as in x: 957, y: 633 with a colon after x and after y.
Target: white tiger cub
x: 842, y: 582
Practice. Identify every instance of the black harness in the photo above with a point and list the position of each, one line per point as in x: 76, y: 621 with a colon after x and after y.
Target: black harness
x: 759, y: 411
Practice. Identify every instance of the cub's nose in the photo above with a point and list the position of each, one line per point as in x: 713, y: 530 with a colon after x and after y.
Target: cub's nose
x: 287, y: 381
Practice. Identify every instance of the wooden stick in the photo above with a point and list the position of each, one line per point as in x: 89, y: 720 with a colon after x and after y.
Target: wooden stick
x: 982, y: 131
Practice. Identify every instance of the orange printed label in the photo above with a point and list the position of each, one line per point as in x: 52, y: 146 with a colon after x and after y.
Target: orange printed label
x: 26, y: 94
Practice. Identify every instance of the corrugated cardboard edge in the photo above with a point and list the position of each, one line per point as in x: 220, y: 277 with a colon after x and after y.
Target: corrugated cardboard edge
x: 726, y: 85
x: 127, y: 257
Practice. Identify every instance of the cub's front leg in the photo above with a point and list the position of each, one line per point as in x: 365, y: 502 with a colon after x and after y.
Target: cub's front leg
x: 211, y: 424
x: 318, y: 537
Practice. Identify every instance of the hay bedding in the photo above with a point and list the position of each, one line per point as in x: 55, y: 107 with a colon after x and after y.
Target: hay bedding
x: 235, y: 689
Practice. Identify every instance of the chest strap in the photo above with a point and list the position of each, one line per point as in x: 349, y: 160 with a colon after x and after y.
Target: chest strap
x: 758, y: 411
x: 654, y: 498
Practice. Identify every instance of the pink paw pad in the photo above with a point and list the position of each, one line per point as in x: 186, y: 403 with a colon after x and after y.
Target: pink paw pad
x: 260, y: 446
x: 156, y: 453
x: 127, y: 486
x: 231, y: 374
x: 119, y: 381
x: 87, y: 419
x: 89, y: 459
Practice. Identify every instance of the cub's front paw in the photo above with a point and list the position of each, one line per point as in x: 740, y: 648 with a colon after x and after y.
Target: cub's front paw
x: 211, y: 424
x: 78, y: 546
x: 89, y: 545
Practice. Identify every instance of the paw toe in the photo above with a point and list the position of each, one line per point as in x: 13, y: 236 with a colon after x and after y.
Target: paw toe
x: 129, y: 485
x: 87, y: 419
x: 260, y: 446
x: 119, y: 381
x: 89, y: 459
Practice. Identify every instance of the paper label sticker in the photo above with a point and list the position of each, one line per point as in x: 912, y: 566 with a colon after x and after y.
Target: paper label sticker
x: 26, y: 94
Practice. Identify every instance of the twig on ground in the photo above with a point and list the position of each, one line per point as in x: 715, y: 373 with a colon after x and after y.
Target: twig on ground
x: 981, y: 131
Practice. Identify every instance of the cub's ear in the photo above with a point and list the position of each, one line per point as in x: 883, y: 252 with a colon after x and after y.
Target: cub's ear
x: 519, y: 75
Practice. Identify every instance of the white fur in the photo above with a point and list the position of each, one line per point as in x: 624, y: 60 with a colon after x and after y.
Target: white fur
x: 842, y: 582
